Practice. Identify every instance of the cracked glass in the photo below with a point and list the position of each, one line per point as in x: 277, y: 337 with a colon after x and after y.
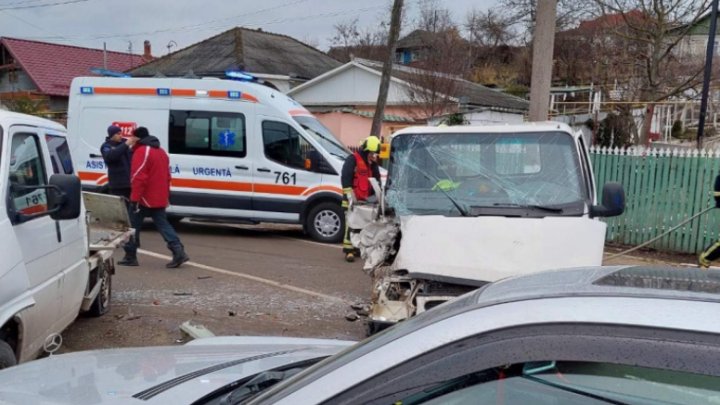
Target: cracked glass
x: 473, y: 174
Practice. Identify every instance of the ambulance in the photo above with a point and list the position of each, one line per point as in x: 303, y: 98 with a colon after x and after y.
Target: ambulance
x: 239, y: 151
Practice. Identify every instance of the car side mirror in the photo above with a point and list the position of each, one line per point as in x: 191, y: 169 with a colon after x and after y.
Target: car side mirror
x: 64, y: 196
x: 613, y: 201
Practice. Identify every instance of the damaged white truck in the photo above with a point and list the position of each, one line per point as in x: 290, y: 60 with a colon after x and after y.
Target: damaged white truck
x: 465, y: 206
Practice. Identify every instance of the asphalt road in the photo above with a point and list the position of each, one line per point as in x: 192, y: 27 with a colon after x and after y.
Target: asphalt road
x: 241, y: 280
x: 266, y: 280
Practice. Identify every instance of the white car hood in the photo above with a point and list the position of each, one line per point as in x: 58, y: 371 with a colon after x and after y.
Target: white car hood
x: 161, y: 375
x: 467, y: 250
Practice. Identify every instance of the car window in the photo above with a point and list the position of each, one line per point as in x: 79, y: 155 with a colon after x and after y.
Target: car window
x: 284, y: 145
x: 551, y: 382
x: 27, y: 172
x: 207, y: 133
x: 594, y: 355
x: 59, y: 154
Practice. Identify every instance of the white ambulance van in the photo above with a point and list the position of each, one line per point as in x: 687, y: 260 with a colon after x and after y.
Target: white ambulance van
x: 239, y: 151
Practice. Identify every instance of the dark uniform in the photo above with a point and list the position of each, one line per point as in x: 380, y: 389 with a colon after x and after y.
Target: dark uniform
x: 117, y: 157
x: 712, y: 252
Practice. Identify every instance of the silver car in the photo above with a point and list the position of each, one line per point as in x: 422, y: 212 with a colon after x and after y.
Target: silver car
x: 610, y: 335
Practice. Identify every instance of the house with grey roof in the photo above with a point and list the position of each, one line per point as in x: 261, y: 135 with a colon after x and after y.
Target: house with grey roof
x: 279, y: 60
x: 344, y: 99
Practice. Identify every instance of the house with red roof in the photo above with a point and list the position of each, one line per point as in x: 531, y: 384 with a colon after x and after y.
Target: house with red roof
x: 42, y: 71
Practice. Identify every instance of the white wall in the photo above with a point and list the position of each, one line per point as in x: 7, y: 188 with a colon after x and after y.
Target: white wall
x: 354, y: 86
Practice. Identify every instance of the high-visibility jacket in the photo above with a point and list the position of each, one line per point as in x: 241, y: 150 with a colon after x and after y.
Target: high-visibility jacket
x: 361, y: 180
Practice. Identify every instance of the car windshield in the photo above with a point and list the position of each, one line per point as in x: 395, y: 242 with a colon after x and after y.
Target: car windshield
x: 475, y: 173
x: 320, y: 133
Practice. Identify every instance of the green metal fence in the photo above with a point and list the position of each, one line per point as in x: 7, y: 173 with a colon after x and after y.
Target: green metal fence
x: 662, y: 188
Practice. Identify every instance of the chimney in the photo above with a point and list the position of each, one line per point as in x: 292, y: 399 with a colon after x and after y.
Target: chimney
x: 147, y: 53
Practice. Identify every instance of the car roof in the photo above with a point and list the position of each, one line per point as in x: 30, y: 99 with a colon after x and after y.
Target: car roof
x: 12, y: 118
x: 618, y: 281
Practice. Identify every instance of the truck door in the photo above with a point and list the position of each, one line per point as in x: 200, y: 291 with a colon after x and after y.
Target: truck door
x: 212, y: 172
x: 71, y: 236
x: 282, y: 175
x: 37, y: 237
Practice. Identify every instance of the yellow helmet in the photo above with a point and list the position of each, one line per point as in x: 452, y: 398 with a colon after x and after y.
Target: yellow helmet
x: 372, y: 144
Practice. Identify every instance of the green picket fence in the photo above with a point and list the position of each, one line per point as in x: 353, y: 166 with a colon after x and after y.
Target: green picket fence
x: 662, y: 188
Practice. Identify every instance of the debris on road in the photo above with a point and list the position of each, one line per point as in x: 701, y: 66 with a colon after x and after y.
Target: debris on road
x: 352, y: 317
x: 182, y: 293
x: 204, y: 277
x: 195, y: 331
x: 232, y: 313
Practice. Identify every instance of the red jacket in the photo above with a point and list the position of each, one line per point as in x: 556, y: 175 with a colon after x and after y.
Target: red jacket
x: 150, y: 174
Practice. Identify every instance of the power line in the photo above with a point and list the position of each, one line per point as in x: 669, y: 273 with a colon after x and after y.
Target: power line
x: 26, y: 6
x: 205, y: 27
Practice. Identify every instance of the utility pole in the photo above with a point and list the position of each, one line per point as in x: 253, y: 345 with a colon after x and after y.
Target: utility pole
x: 542, y: 61
x: 387, y: 68
x: 708, y: 72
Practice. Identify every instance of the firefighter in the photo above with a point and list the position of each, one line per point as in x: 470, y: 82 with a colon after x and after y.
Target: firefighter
x: 712, y: 252
x: 356, y: 173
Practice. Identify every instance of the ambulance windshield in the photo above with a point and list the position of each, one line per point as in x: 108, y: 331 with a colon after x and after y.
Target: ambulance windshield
x: 323, y: 135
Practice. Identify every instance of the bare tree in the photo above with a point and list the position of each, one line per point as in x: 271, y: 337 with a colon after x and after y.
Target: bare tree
x: 489, y: 28
x: 652, y: 30
x: 351, y: 41
x: 523, y: 12
x: 433, y: 17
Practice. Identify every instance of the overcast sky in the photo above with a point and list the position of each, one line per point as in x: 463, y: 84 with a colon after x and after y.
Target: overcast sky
x: 89, y: 23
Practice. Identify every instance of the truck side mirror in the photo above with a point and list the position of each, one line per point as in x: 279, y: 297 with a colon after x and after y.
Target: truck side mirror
x: 613, y: 201
x: 64, y: 196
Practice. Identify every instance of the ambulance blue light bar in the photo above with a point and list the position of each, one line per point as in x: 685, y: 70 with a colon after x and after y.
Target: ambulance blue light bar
x: 236, y: 95
x: 86, y: 90
x: 240, y: 75
x: 163, y: 92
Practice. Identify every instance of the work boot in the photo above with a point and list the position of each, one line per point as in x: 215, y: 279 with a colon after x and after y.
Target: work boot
x: 350, y: 257
x: 129, y: 260
x: 179, y: 257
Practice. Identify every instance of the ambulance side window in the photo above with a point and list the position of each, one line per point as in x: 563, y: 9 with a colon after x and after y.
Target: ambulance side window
x: 284, y: 145
x: 27, y: 171
x: 207, y: 133
x: 59, y: 154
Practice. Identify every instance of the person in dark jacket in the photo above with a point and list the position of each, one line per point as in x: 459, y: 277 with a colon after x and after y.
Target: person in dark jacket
x: 712, y: 252
x: 117, y: 155
x: 355, y: 179
x: 150, y: 195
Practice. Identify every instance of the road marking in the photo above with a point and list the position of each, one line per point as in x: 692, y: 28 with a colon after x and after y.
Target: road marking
x: 336, y: 246
x: 249, y: 277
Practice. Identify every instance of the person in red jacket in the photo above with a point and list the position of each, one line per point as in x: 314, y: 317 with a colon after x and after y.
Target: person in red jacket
x: 150, y: 196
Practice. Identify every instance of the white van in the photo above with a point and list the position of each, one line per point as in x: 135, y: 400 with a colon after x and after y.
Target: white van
x: 50, y: 267
x: 239, y: 150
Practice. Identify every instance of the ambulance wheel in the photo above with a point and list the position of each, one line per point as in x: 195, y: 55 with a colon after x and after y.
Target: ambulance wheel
x: 326, y: 222
x: 7, y: 356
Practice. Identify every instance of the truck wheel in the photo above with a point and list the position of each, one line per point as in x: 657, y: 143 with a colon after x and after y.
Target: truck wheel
x: 7, y: 356
x: 101, y: 305
x: 326, y: 222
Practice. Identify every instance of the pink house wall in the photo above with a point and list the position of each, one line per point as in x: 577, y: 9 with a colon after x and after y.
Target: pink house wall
x: 351, y: 129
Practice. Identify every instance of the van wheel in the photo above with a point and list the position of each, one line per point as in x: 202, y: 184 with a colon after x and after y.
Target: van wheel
x: 326, y: 222
x: 101, y: 305
x: 7, y: 355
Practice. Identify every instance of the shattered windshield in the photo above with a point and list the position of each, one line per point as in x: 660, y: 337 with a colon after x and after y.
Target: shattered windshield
x: 486, y: 174
x: 323, y: 135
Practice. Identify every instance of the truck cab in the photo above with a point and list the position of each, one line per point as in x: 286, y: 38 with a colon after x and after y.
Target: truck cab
x: 465, y: 206
x: 48, y: 271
